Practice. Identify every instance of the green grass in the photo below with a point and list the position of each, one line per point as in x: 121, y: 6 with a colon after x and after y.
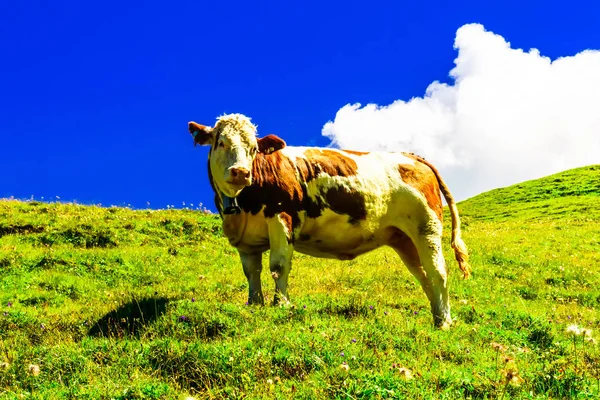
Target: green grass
x: 115, y: 303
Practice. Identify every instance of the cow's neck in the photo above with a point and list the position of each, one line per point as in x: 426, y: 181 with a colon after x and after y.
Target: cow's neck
x: 234, y: 220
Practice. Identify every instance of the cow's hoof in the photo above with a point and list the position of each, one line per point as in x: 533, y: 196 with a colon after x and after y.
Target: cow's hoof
x: 281, y: 302
x: 255, y: 302
x: 444, y: 326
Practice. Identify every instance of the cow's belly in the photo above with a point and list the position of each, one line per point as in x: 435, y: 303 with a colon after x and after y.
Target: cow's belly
x: 332, y: 236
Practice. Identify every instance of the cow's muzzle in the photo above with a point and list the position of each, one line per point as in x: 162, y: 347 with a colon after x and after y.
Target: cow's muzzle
x: 239, y: 176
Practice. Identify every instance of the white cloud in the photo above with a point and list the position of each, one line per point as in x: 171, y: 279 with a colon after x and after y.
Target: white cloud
x: 510, y: 116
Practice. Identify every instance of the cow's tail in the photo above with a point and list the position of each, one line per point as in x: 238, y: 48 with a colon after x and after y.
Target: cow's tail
x: 460, y: 249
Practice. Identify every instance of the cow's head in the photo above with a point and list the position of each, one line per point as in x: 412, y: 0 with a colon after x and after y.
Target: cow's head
x: 234, y: 146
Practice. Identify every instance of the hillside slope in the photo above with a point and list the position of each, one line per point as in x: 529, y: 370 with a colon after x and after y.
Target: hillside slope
x: 572, y: 194
x: 115, y: 303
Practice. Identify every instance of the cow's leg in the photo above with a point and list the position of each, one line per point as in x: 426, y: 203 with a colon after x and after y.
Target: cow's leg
x: 252, y: 264
x: 405, y: 248
x: 429, y: 245
x: 426, y: 235
x: 280, y: 262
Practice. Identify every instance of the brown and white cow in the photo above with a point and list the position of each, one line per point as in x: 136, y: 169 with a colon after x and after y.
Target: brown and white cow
x: 327, y: 203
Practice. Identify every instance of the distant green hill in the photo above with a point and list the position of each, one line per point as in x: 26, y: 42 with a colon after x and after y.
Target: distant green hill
x: 572, y: 194
x: 116, y: 303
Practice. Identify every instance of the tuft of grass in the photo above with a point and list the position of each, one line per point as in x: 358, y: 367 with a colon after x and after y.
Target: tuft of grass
x: 115, y: 303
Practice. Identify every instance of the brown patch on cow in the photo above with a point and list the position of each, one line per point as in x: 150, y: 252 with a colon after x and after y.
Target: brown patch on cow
x: 270, y: 144
x: 422, y: 178
x: 330, y: 162
x: 287, y: 221
x: 313, y: 207
x: 274, y: 186
x: 356, y: 153
x: 344, y: 201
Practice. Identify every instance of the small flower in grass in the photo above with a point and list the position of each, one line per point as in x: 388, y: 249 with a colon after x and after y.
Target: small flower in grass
x: 183, y: 318
x: 415, y: 312
x: 4, y: 365
x: 5, y: 314
x: 370, y: 307
x: 342, y: 354
x: 345, y: 366
x: 586, y: 332
x: 270, y: 381
x: 193, y: 299
x: 498, y: 347
x: 33, y: 369
x: 511, y: 376
x: 404, y: 372
x: 353, y: 340
x: 247, y: 303
x: 568, y: 317
x: 304, y: 306
x: 42, y: 326
x: 9, y: 304
x: 507, y: 359
x: 574, y: 330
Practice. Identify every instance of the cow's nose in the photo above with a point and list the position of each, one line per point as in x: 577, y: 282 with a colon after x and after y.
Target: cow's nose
x: 239, y: 173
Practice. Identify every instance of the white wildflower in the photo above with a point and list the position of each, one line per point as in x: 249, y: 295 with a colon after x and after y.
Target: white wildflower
x: 405, y: 373
x: 574, y: 330
x: 33, y: 369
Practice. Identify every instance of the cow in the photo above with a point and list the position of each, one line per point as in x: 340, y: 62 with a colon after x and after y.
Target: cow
x: 327, y: 203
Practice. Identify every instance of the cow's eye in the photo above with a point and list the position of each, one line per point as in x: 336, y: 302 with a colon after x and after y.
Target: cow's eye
x: 254, y: 150
x: 221, y: 144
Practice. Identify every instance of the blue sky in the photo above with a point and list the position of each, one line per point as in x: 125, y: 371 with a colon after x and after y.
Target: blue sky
x: 95, y: 96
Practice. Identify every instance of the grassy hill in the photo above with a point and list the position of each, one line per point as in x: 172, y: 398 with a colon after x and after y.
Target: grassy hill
x: 114, y: 303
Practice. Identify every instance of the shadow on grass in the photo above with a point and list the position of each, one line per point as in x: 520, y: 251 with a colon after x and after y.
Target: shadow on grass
x: 129, y: 319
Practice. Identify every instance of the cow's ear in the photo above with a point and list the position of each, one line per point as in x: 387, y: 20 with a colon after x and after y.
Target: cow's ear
x: 202, y: 134
x: 270, y: 144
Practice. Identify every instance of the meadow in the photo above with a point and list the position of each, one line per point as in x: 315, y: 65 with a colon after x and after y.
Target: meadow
x: 114, y: 303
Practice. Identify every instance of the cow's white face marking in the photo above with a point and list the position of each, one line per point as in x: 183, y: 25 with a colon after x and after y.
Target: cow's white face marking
x: 234, y: 148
